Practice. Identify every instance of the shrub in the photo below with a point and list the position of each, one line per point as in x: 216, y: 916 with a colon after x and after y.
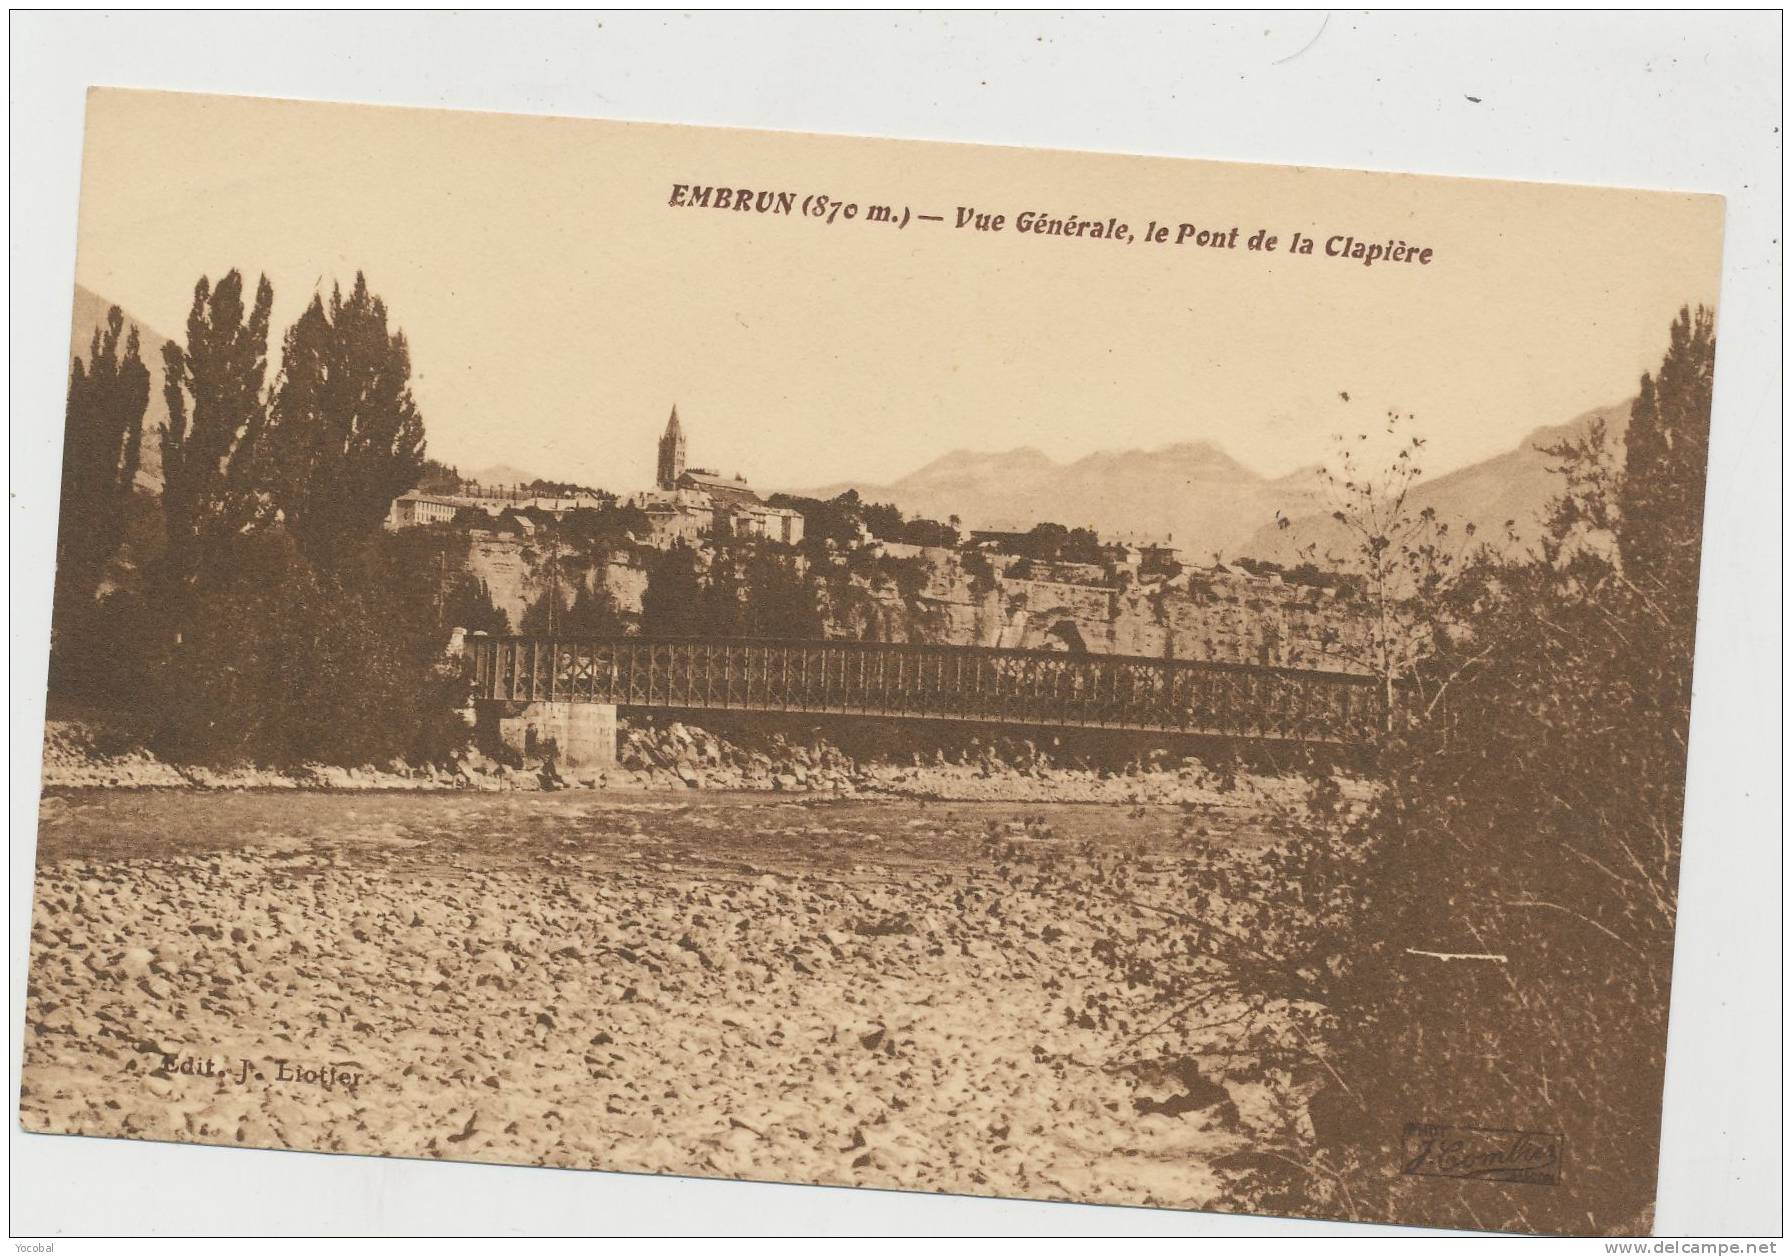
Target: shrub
x: 280, y: 665
x: 1489, y: 942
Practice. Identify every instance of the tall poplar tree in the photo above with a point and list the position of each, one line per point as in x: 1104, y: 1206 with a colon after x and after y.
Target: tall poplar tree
x: 346, y: 437
x: 1662, y: 499
x: 102, y: 446
x: 212, y: 457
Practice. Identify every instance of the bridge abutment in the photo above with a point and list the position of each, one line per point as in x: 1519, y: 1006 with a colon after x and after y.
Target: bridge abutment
x: 582, y: 736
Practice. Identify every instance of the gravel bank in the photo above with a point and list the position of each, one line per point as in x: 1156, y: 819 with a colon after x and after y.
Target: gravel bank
x: 820, y: 992
x: 659, y: 755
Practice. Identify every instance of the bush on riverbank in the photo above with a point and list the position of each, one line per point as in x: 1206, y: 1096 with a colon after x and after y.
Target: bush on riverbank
x: 1490, y: 943
x: 270, y: 661
x: 1532, y: 820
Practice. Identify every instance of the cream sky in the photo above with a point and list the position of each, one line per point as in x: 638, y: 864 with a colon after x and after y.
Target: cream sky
x: 557, y: 306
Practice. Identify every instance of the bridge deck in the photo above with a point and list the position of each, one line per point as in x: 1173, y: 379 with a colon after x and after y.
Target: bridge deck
x: 918, y: 682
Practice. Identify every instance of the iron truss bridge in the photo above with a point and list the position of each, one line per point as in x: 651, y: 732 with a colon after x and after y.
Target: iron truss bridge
x: 1041, y: 689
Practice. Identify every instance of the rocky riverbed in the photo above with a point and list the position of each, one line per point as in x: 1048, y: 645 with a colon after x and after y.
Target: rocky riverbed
x: 658, y: 754
x: 833, y: 990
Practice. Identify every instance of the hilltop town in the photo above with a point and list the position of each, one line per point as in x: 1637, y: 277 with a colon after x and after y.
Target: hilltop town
x: 867, y: 572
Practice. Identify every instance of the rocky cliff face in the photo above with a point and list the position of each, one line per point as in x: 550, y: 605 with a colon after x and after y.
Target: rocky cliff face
x: 518, y: 572
x: 1224, y: 619
x: 1222, y: 616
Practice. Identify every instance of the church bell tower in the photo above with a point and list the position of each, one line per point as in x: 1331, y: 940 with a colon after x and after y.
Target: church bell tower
x: 671, y: 453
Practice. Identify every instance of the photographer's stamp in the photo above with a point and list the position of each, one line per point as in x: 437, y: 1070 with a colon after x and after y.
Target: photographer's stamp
x: 1490, y: 1156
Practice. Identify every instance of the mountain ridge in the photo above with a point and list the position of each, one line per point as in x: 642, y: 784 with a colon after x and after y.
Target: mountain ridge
x: 1199, y: 497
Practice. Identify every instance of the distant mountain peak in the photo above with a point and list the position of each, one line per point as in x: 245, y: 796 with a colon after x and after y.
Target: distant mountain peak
x: 1516, y: 485
x: 1197, y: 492
x: 1030, y: 455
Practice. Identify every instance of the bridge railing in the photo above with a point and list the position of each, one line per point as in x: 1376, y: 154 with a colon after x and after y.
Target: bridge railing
x: 963, y: 683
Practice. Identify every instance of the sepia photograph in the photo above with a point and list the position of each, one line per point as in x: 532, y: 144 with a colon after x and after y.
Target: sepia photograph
x: 873, y: 663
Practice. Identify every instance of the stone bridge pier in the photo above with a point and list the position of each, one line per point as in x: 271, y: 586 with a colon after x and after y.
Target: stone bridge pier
x: 581, y: 736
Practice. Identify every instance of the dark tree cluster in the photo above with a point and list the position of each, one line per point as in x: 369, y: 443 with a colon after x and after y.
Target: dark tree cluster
x: 279, y: 623
x: 921, y: 531
x: 882, y: 519
x: 612, y: 524
x: 589, y: 611
x: 467, y: 603
x: 344, y: 437
x: 566, y: 489
x: 1488, y: 941
x: 846, y: 519
x: 438, y: 477
x: 1661, y: 501
x: 1054, y: 543
x: 284, y: 664
x: 839, y: 520
x: 747, y: 591
x: 101, y: 453
x: 672, y: 605
x: 1533, y: 812
x: 215, y: 467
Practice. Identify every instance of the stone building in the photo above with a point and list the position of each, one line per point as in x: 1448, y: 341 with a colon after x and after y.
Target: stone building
x: 760, y: 519
x: 694, y: 502
x: 416, y: 507
x: 675, y: 516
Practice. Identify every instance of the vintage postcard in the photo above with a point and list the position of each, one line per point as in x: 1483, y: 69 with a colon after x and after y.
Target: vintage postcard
x: 829, y: 660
